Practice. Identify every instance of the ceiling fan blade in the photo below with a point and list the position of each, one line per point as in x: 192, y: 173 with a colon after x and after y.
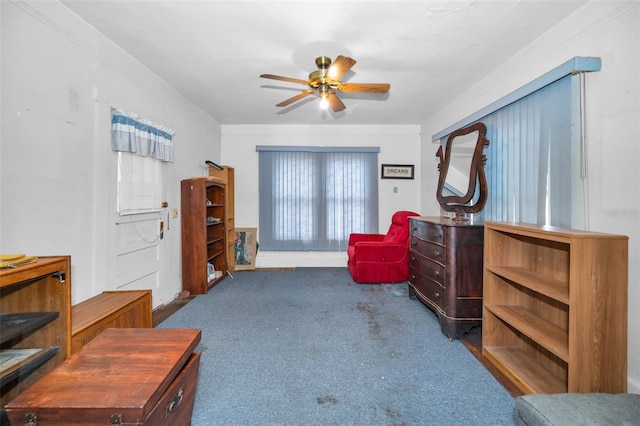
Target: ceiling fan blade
x: 334, y: 102
x: 295, y: 98
x: 289, y: 79
x: 365, y: 87
x: 340, y: 67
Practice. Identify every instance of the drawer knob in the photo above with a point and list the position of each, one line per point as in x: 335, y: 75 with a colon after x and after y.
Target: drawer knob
x: 436, y: 273
x: 438, y: 236
x: 436, y: 253
x: 436, y: 294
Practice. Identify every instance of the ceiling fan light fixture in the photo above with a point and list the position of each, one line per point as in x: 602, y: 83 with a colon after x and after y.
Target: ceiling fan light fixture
x: 325, y: 81
x: 323, y: 90
x: 324, y: 104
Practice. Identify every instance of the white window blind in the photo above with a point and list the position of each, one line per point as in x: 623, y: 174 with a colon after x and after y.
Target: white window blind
x: 140, y: 184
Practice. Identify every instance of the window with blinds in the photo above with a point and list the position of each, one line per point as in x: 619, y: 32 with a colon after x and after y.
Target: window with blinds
x: 313, y: 198
x: 531, y: 170
x: 140, y: 184
x: 536, y: 159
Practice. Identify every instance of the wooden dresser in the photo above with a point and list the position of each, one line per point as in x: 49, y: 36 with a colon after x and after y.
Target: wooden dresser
x: 445, y: 263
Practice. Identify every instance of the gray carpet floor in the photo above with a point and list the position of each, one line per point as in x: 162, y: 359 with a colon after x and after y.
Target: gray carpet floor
x: 312, y: 347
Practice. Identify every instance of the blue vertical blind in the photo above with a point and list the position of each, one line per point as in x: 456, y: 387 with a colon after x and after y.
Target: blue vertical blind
x: 530, y: 169
x: 312, y: 198
x: 536, y: 159
x: 531, y: 173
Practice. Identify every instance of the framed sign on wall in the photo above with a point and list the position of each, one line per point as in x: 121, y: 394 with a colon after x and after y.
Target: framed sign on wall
x: 397, y: 171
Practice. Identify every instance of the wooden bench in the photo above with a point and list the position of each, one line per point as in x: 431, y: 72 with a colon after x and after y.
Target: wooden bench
x: 110, y: 309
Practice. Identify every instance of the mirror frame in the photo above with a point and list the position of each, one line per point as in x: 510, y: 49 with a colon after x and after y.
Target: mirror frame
x: 461, y: 204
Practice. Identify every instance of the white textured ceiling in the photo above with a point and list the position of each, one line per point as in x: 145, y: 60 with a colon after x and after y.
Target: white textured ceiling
x: 214, y: 51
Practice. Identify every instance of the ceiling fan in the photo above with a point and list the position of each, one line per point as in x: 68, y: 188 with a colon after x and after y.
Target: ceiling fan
x: 325, y: 81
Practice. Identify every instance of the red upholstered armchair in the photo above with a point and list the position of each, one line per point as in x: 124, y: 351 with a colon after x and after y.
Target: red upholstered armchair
x: 377, y: 258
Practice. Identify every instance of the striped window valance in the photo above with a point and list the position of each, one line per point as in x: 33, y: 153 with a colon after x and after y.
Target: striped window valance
x: 139, y: 136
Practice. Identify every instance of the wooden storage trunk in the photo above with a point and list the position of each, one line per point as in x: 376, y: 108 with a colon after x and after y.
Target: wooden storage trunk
x: 110, y: 309
x: 124, y: 376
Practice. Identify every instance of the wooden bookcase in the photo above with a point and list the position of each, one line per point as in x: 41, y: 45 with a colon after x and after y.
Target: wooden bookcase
x: 227, y: 176
x: 203, y: 234
x: 35, y: 316
x: 555, y: 308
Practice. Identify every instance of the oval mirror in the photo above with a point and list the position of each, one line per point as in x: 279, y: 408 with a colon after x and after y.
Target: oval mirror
x: 462, y: 185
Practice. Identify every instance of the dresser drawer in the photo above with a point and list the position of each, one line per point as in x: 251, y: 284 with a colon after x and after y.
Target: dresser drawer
x: 427, y: 231
x: 428, y: 249
x: 427, y: 288
x: 426, y: 267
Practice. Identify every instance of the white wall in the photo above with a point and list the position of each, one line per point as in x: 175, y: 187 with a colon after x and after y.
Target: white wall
x: 398, y: 145
x: 58, y: 175
x: 611, y: 31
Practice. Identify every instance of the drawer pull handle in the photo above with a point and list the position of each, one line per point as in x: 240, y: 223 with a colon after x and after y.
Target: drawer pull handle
x: 175, y: 402
x: 31, y: 419
x: 436, y: 253
x: 438, y: 236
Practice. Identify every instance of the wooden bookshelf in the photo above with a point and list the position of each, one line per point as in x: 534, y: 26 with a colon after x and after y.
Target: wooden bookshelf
x: 227, y: 176
x: 555, y: 308
x: 204, y: 236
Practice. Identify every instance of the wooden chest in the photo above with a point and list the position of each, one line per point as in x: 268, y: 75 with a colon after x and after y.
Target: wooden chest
x: 124, y: 376
x: 445, y: 261
x: 110, y: 309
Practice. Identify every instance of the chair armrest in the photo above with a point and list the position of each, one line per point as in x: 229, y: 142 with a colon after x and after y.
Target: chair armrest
x: 377, y: 251
x: 355, y: 238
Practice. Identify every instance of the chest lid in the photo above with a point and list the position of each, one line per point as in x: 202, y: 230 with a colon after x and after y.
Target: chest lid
x: 122, y: 372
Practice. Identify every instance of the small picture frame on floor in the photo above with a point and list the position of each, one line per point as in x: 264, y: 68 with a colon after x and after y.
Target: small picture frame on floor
x: 245, y: 248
